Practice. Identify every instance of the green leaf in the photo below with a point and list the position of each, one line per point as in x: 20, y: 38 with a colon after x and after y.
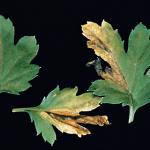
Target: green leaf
x: 126, y: 79
x: 61, y: 108
x: 15, y: 68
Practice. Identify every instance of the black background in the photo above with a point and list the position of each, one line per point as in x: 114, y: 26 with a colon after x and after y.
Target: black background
x: 62, y: 56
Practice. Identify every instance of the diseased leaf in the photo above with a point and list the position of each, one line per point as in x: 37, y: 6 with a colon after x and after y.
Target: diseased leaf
x: 62, y: 110
x: 15, y: 67
x: 68, y: 103
x: 126, y: 80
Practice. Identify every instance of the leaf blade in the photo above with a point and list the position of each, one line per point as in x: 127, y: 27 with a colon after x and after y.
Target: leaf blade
x: 65, y: 121
x: 128, y: 70
x: 15, y: 68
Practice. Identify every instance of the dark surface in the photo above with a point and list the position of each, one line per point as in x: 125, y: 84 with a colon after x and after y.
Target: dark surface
x: 62, y: 56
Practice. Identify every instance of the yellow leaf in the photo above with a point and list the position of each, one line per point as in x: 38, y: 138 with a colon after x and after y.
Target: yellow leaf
x: 106, y: 44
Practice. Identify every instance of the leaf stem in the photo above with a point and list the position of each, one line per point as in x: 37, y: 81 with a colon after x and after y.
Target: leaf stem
x: 131, y: 114
x: 25, y: 109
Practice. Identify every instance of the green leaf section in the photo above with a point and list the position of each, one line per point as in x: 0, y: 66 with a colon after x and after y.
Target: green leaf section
x: 127, y: 79
x: 61, y: 108
x: 15, y: 68
x: 43, y: 127
x: 110, y: 92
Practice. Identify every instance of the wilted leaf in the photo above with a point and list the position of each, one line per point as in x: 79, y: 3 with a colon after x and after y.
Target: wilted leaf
x: 15, y: 67
x: 62, y: 110
x: 127, y: 80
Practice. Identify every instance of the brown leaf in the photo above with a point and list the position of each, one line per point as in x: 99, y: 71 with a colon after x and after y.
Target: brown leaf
x: 65, y: 124
x: 71, y: 125
x: 94, y: 120
x: 106, y: 44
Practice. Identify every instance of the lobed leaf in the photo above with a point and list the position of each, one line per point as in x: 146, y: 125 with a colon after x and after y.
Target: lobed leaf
x: 61, y: 108
x: 126, y: 79
x: 15, y: 68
